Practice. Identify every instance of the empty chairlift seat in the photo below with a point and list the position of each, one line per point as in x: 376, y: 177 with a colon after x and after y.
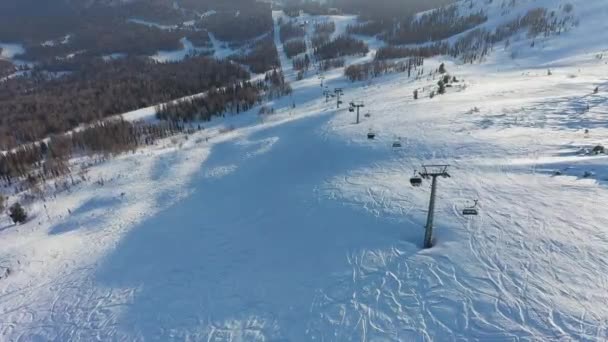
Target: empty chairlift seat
x: 471, y: 211
x: 416, y: 181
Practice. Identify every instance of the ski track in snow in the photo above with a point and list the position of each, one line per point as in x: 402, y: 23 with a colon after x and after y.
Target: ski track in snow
x: 299, y: 228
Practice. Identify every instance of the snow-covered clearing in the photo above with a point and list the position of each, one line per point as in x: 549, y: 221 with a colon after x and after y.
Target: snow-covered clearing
x: 152, y: 24
x: 299, y: 228
x: 63, y: 40
x: 113, y: 56
x: 220, y: 49
x: 177, y: 55
x: 10, y: 50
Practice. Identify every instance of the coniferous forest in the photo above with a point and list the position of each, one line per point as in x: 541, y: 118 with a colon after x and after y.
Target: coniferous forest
x: 36, y: 106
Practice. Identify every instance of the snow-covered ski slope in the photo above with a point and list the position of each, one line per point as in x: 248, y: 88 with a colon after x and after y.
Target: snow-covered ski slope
x: 298, y: 228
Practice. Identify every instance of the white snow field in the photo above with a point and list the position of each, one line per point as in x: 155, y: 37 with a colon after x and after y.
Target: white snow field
x: 298, y: 228
x: 177, y: 55
x: 10, y: 50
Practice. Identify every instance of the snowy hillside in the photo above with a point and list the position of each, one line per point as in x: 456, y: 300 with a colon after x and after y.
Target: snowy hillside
x: 297, y: 227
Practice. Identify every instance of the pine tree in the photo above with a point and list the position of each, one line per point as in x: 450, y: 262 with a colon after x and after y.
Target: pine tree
x: 441, y: 87
x: 442, y: 68
x: 17, y: 213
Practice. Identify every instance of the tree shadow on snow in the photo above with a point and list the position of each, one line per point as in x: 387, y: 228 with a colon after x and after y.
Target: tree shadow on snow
x: 252, y: 244
x: 84, y: 215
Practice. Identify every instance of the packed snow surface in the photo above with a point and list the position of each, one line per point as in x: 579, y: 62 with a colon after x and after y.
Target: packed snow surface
x: 177, y: 55
x: 296, y: 227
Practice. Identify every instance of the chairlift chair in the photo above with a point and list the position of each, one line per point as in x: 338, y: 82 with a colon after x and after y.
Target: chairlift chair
x: 471, y: 211
x: 351, y: 109
x: 371, y: 135
x: 397, y: 143
x: 416, y: 180
x: 367, y: 115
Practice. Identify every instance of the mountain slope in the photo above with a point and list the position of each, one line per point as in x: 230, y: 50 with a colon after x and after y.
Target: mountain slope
x: 295, y: 226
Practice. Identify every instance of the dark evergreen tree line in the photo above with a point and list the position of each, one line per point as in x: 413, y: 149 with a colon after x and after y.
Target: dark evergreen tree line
x: 6, y: 67
x: 294, y: 47
x: 333, y: 63
x: 236, y: 98
x: 261, y: 58
x: 370, y: 28
x: 101, y: 27
x: 320, y: 39
x: 475, y: 45
x: 112, y: 37
x: 292, y: 11
x: 301, y: 63
x: 290, y: 30
x: 341, y: 46
x: 97, y: 29
x: 365, y: 71
x: 158, y: 11
x: 240, y: 24
x: 275, y: 85
x: 232, y: 99
x: 436, y: 25
x: 35, y: 107
x: 46, y: 160
x: 325, y: 27
x: 427, y: 51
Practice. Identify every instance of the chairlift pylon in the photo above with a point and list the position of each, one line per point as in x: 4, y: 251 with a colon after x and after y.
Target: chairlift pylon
x: 471, y: 211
